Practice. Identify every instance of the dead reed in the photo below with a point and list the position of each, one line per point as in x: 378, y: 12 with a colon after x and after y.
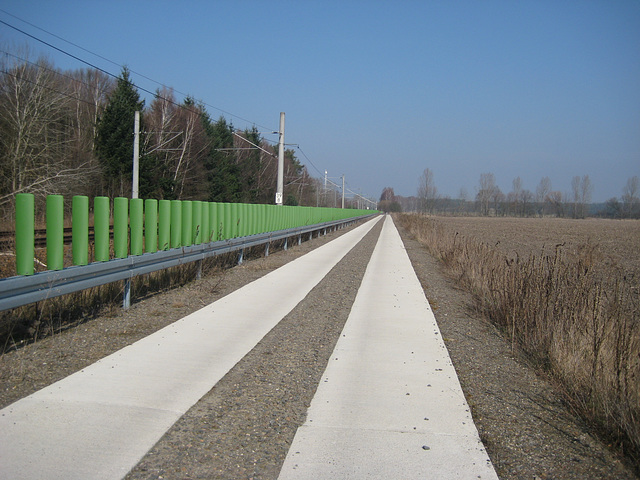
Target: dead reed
x: 575, y: 318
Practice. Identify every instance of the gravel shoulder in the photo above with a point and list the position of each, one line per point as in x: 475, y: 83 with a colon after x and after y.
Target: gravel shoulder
x: 243, y: 427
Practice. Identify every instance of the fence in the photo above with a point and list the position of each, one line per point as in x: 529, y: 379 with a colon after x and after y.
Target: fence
x: 148, y: 235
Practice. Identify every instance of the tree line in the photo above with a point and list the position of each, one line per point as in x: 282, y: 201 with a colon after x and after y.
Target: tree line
x: 491, y: 201
x: 72, y: 133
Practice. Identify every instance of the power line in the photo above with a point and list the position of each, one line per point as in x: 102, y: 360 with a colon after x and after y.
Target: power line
x: 156, y: 94
x: 114, y: 63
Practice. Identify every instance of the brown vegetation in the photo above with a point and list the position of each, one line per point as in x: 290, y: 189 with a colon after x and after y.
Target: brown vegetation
x: 576, y: 317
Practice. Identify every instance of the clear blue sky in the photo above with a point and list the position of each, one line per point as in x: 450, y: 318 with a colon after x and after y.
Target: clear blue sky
x: 381, y: 90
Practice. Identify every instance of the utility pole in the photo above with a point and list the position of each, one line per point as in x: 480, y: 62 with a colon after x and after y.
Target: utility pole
x: 280, y: 187
x: 343, y: 190
x: 136, y: 155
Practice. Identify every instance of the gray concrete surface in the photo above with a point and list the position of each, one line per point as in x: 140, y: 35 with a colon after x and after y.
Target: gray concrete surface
x: 390, y: 404
x: 99, y: 422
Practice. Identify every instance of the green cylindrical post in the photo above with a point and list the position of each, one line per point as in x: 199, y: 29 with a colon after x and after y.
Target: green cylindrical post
x: 213, y: 218
x: 242, y: 222
x: 220, y: 219
x: 164, y: 224
x: 55, y: 232
x: 80, y: 229
x: 120, y: 226
x: 176, y: 223
x: 226, y: 226
x: 196, y: 222
x: 187, y: 222
x: 150, y: 225
x: 25, y: 224
x: 101, y: 229
x: 205, y: 237
x: 136, y: 216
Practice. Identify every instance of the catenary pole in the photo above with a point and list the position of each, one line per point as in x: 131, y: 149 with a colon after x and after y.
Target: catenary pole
x: 343, y: 191
x: 136, y: 155
x: 280, y: 187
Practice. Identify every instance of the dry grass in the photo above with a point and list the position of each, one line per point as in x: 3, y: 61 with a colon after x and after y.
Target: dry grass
x: 28, y: 324
x: 575, y: 316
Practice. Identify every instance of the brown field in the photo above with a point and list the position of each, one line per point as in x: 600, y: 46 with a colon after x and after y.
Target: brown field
x: 614, y: 242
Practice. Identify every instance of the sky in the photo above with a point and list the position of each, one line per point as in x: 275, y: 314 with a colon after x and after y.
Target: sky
x: 378, y: 91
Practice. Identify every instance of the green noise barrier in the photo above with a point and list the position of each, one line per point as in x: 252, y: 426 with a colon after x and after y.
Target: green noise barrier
x: 55, y: 232
x: 150, y: 226
x: 25, y: 224
x: 136, y: 216
x: 80, y: 230
x: 101, y: 229
x: 120, y: 226
x: 146, y: 226
x: 164, y: 224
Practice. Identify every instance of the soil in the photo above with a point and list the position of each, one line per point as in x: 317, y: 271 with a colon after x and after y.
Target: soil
x: 612, y: 243
x: 242, y: 428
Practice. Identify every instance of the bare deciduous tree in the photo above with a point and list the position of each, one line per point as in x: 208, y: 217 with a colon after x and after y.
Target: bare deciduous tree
x: 630, y: 198
x: 427, y: 191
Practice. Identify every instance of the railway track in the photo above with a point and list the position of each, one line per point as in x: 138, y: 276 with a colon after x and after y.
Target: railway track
x: 7, y: 238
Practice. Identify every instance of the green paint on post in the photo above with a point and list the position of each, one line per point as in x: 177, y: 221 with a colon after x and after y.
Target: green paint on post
x: 176, y: 223
x: 213, y: 218
x: 150, y: 226
x: 187, y: 222
x: 25, y: 224
x: 120, y: 226
x: 101, y: 229
x: 80, y: 230
x: 220, y: 212
x: 205, y: 237
x: 196, y: 222
x: 226, y: 225
x: 136, y: 216
x: 164, y: 224
x: 55, y: 232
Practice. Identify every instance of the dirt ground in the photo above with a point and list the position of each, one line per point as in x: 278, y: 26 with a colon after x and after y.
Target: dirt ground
x: 615, y: 242
x: 242, y: 428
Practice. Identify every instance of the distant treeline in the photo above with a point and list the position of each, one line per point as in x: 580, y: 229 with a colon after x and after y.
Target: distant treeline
x: 490, y: 201
x: 72, y: 133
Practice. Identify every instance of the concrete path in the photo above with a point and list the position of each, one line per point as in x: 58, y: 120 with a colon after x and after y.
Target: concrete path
x: 98, y: 423
x: 390, y: 405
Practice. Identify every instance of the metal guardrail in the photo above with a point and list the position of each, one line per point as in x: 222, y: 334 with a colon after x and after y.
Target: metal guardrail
x: 24, y: 290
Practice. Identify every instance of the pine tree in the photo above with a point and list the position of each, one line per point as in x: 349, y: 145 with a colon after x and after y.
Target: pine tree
x: 114, y: 136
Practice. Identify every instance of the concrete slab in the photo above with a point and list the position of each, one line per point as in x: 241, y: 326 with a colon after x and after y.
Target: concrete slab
x: 389, y: 389
x: 99, y: 422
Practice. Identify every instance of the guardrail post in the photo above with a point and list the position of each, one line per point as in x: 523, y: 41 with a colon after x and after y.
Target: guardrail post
x: 100, y: 229
x: 25, y: 224
x: 55, y: 232
x: 126, y: 294
x: 150, y: 226
x: 136, y: 214
x: 164, y: 224
x: 80, y: 230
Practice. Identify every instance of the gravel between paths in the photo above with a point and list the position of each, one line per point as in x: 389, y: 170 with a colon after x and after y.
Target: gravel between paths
x: 242, y: 428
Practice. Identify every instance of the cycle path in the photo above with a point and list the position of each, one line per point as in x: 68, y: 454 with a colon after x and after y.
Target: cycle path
x: 99, y: 422
x: 389, y: 404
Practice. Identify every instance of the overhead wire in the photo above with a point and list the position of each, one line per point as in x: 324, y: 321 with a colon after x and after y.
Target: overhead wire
x: 155, y: 94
